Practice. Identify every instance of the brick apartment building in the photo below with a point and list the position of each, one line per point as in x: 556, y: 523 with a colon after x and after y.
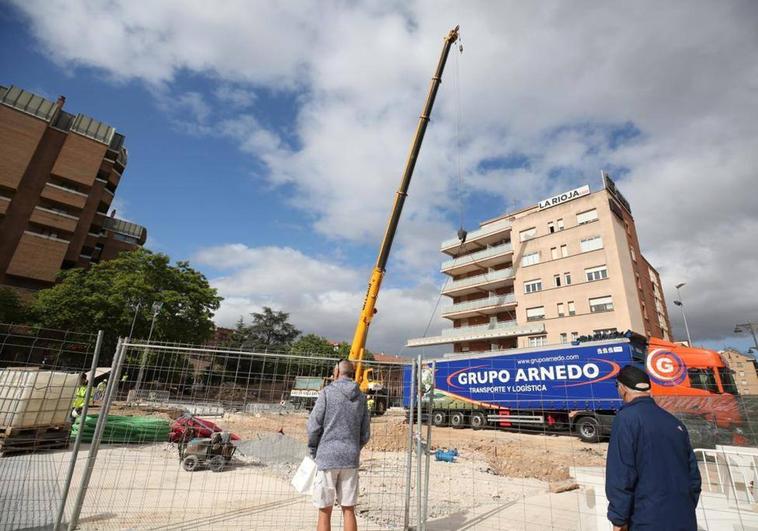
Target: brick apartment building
x: 744, y: 370
x: 58, y: 175
x: 566, y: 267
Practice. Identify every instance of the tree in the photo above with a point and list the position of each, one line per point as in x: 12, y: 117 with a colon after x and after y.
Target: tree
x: 111, y: 293
x: 12, y: 310
x: 270, y: 331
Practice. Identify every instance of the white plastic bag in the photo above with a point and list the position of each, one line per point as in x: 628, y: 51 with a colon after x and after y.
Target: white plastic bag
x: 304, y: 476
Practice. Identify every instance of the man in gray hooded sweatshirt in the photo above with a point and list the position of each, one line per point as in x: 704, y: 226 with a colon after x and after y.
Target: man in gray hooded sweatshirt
x: 338, y: 428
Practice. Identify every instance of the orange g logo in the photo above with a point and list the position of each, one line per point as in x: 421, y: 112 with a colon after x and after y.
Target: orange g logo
x: 665, y: 367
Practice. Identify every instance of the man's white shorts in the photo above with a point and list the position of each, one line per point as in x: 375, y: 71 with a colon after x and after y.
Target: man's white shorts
x: 340, y: 485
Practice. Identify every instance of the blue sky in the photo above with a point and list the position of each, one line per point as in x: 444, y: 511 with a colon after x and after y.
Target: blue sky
x: 266, y: 148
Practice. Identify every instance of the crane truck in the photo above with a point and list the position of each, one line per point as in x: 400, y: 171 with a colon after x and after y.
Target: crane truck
x: 364, y: 376
x: 306, y: 389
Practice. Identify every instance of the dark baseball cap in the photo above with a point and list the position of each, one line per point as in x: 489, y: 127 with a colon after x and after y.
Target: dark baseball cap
x: 634, y: 378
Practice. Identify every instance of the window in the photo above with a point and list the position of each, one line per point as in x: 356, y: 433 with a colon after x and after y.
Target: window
x: 554, y: 253
x: 561, y: 312
x: 601, y: 304
x: 596, y: 273
x: 564, y: 337
x: 550, y: 227
x: 557, y: 281
x: 631, y: 251
x: 559, y: 222
x: 567, y: 278
x: 586, y: 217
x: 703, y: 379
x: 537, y: 341
x: 574, y: 336
x: 535, y: 314
x: 564, y: 251
x: 604, y: 331
x: 533, y: 285
x: 530, y: 259
x: 590, y: 244
x: 527, y: 234
x: 572, y: 308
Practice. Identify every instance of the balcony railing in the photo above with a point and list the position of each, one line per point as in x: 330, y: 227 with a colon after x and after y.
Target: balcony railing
x: 492, y: 276
x: 480, y: 303
x: 479, y: 255
x: 468, y: 330
x: 474, y: 333
x: 491, y: 228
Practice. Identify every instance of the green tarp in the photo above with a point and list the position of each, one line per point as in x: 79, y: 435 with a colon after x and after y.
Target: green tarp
x: 121, y: 429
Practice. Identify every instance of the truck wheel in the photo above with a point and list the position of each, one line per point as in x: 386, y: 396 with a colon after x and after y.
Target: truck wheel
x: 457, y: 420
x: 478, y: 420
x: 588, y: 429
x: 438, y: 418
x: 190, y: 463
x: 381, y: 407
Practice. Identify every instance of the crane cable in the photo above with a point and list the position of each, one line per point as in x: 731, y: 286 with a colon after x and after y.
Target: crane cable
x: 461, y: 231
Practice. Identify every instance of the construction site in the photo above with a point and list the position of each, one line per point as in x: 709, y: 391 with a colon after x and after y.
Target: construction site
x: 214, y: 436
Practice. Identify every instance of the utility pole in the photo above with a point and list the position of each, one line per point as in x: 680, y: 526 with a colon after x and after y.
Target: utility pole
x: 748, y: 327
x: 680, y: 303
x: 156, y: 309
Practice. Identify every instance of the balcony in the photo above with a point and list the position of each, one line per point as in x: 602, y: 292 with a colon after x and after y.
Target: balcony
x: 478, y: 260
x: 484, y: 306
x: 482, y: 237
x: 63, y: 195
x: 488, y: 281
x: 53, y: 218
x: 478, y: 333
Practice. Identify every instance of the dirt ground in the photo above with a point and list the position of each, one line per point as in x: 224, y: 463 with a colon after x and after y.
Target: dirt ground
x: 541, y: 456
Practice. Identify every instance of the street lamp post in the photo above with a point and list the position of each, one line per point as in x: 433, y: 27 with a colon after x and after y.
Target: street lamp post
x: 748, y: 327
x: 156, y: 309
x: 680, y: 303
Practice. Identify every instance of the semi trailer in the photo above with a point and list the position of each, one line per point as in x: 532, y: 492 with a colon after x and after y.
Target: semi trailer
x: 564, y: 387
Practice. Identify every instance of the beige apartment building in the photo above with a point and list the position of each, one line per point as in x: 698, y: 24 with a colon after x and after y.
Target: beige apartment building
x: 744, y: 370
x: 566, y: 267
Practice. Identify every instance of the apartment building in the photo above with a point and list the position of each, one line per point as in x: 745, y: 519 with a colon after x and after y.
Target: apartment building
x: 566, y: 267
x: 744, y: 370
x: 58, y: 176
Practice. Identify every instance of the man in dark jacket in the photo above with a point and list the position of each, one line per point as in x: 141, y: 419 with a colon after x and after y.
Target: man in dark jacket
x: 652, y: 479
x: 338, y: 427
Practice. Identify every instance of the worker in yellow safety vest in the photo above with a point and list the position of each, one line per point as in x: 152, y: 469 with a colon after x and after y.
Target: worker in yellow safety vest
x: 370, y: 404
x: 81, y: 394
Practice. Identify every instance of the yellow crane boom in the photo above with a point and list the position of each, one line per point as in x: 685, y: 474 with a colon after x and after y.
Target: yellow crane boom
x: 357, y: 348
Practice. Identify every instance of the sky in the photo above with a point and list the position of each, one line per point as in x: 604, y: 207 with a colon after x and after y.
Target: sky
x: 266, y: 139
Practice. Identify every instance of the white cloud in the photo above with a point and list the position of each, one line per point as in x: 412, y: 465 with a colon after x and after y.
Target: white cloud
x: 551, y: 82
x: 321, y: 296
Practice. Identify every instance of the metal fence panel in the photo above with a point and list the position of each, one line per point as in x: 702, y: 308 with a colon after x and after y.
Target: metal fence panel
x: 139, y: 481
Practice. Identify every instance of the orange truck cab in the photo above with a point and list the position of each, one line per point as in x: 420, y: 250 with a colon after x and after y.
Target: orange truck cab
x: 693, y: 381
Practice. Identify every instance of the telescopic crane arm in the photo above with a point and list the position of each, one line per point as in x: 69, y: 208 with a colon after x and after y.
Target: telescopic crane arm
x: 358, y: 345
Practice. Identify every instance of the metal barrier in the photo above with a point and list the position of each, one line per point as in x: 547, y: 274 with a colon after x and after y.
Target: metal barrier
x: 417, y: 472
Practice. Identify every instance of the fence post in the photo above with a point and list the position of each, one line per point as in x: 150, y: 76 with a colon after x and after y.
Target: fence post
x: 101, y: 420
x: 409, y: 458
x: 77, y: 443
x: 419, y: 461
x: 428, y: 445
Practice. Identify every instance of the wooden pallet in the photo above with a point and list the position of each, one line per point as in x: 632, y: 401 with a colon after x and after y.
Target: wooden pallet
x: 17, y: 440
